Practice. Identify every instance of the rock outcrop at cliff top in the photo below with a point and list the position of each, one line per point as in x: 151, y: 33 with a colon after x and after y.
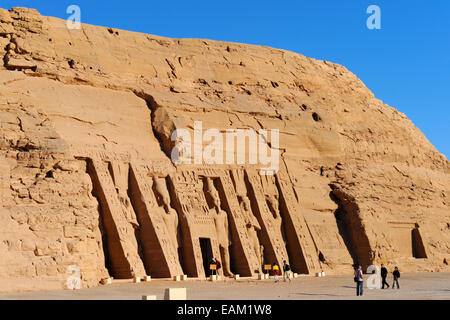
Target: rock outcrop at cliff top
x: 86, y: 118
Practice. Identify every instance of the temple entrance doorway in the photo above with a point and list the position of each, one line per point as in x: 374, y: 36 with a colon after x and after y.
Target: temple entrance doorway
x: 207, y: 254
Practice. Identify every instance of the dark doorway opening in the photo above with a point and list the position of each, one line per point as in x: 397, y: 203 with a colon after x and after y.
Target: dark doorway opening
x: 207, y: 254
x: 417, y: 245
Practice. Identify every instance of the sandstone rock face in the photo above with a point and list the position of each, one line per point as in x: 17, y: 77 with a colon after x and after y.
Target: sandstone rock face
x: 86, y: 178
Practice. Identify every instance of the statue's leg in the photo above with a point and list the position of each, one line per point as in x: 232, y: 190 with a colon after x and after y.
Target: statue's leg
x: 257, y: 249
x: 226, y: 261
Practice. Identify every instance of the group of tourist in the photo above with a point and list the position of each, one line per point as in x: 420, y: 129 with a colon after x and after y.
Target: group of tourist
x: 359, y: 279
x: 275, y: 269
x: 286, y: 271
x: 218, y: 265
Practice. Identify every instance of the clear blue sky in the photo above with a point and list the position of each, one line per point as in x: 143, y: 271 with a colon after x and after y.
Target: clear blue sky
x: 406, y: 63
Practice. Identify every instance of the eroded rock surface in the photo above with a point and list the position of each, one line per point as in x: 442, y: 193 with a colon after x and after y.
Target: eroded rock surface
x: 86, y: 118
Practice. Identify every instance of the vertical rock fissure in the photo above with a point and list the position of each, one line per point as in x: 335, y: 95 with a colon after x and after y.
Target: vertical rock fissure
x: 153, y: 106
x: 351, y: 228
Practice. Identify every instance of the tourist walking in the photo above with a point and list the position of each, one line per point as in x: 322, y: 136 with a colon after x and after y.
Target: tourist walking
x: 359, y: 281
x: 286, y: 271
x: 276, y: 271
x: 384, y: 273
x: 396, y: 275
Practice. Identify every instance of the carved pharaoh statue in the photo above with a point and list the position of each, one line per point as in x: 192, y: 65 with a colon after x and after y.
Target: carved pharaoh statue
x: 170, y: 216
x: 222, y: 228
x: 127, y: 208
x: 273, y: 202
x: 119, y: 174
x: 252, y: 225
x: 274, y: 207
x: 261, y: 250
x: 251, y: 222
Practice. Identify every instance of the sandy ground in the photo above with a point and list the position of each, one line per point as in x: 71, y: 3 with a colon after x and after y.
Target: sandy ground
x: 413, y: 286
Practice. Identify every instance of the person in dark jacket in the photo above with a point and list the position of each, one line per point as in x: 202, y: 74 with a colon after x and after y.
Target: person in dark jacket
x: 384, y: 274
x: 286, y: 271
x: 396, y: 275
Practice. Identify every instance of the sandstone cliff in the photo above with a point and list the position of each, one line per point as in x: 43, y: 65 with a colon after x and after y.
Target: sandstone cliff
x: 85, y: 178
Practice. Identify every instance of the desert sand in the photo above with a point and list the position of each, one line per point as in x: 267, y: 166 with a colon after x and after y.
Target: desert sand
x: 421, y: 286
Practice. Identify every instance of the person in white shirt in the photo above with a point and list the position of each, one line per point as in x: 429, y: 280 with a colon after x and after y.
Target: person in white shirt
x: 359, y: 281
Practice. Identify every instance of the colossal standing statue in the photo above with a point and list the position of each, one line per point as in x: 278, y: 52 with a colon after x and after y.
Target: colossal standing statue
x: 170, y: 216
x: 251, y: 222
x: 252, y: 225
x: 222, y: 228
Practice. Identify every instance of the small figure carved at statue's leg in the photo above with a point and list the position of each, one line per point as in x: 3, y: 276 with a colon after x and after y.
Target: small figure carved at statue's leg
x: 261, y: 250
